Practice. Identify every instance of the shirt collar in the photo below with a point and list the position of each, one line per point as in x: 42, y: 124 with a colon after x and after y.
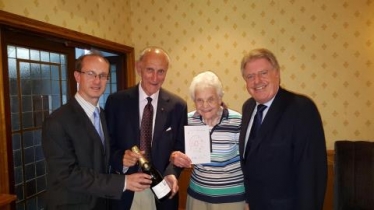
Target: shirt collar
x: 143, y: 95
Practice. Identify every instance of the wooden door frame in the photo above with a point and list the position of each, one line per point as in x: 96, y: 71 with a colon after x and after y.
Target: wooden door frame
x: 72, y: 38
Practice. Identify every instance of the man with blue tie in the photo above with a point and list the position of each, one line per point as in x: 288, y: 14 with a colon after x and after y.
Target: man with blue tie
x: 282, y: 142
x: 75, y: 143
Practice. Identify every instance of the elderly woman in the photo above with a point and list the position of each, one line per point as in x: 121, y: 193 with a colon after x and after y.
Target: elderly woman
x: 219, y: 184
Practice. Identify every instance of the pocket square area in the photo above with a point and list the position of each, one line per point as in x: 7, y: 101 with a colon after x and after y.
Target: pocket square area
x: 169, y: 129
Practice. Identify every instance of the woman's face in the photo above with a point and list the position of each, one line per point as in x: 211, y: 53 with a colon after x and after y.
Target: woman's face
x: 207, y: 103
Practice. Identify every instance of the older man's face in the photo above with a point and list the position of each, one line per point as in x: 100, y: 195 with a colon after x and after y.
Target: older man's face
x: 152, y: 70
x: 262, y: 79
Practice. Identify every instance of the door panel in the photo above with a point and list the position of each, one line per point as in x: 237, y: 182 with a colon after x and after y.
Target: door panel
x: 38, y: 82
x: 39, y: 86
x: 31, y: 34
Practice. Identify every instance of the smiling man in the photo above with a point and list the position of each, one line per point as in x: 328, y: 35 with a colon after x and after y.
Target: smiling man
x: 282, y: 142
x: 124, y: 116
x: 76, y: 145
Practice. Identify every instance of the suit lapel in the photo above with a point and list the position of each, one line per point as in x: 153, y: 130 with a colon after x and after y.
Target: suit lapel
x: 88, y: 126
x: 271, y: 119
x: 106, y: 134
x: 247, y: 113
x: 161, y: 115
x: 133, y: 104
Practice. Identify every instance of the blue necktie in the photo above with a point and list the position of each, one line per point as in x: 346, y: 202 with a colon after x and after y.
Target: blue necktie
x: 255, y: 127
x: 97, y: 124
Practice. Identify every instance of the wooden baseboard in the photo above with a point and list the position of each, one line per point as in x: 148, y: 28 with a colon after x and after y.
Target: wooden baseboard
x: 6, y: 200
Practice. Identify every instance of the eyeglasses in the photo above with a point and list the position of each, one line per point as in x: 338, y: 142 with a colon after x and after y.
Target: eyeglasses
x: 92, y: 75
x: 261, y: 74
x: 210, y: 101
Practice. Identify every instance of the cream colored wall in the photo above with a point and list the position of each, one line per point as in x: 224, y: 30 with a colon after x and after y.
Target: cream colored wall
x: 325, y: 48
x: 109, y: 19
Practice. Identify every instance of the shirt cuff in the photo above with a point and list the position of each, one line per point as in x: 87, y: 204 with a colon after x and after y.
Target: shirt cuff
x: 125, y: 169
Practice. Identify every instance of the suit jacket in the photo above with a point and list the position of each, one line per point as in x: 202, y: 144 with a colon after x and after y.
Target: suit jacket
x: 122, y: 109
x: 77, y: 161
x: 286, y: 167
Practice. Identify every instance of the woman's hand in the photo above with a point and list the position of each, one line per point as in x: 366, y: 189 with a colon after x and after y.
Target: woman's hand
x: 173, y: 184
x: 180, y: 159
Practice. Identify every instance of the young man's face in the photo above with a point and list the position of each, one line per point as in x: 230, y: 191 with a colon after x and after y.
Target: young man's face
x: 91, y: 86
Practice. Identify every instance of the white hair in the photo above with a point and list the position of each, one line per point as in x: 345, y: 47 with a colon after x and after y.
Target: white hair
x: 204, y: 80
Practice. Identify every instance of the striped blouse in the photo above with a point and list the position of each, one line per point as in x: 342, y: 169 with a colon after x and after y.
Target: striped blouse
x: 221, y: 180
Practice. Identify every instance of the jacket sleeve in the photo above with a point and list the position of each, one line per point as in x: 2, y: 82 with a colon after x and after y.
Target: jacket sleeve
x: 70, y: 162
x: 180, y: 121
x: 310, y: 152
x: 116, y: 151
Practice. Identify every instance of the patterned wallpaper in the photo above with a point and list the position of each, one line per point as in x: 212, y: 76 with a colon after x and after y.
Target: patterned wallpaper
x: 325, y: 48
x: 109, y: 19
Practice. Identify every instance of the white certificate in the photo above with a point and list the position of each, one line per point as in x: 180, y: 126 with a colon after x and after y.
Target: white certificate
x: 197, y: 143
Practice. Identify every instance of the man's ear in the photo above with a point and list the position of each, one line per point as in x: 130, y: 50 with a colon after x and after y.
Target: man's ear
x: 138, y: 67
x: 77, y: 76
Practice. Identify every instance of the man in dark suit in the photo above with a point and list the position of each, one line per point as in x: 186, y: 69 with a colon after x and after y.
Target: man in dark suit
x: 124, y: 110
x: 77, y: 154
x: 285, y: 164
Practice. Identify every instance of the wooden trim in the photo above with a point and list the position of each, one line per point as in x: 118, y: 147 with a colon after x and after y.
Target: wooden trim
x: 6, y: 199
x: 184, y: 181
x: 72, y: 38
x: 329, y: 195
x: 4, y: 175
x: 330, y: 152
x: 330, y: 157
x: 68, y: 37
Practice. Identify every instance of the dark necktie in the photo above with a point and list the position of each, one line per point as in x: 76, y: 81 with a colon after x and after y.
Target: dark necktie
x: 97, y: 125
x: 255, y: 127
x: 146, y: 129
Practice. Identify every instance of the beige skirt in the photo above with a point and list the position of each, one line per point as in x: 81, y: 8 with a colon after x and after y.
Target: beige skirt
x: 143, y: 200
x: 194, y: 204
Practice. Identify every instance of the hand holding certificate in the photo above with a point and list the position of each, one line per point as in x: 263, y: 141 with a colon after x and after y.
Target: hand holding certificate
x: 197, y: 143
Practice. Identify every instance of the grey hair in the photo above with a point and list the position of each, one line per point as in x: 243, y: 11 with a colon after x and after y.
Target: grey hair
x: 258, y: 54
x: 204, y: 80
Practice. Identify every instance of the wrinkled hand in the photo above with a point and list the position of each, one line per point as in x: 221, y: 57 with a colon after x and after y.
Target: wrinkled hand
x: 138, y: 182
x: 130, y: 158
x: 172, y: 181
x: 180, y: 159
x: 246, y: 207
